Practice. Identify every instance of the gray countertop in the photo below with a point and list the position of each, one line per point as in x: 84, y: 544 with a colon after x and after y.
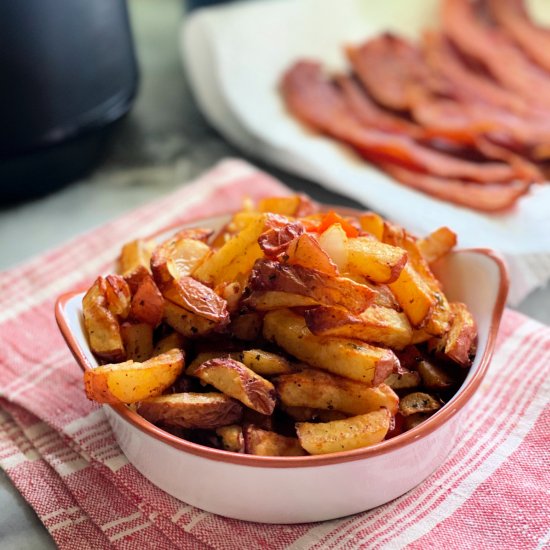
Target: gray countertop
x: 162, y: 143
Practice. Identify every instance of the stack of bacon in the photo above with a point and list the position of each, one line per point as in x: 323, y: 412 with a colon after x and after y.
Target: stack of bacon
x: 464, y: 116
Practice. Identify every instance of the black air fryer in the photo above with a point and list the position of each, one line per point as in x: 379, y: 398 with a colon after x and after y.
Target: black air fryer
x: 67, y: 74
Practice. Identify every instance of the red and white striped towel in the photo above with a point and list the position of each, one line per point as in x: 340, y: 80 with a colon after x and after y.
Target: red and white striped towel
x: 58, y: 449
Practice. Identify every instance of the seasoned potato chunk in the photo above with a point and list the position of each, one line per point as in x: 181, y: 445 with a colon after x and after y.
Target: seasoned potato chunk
x: 379, y: 262
x: 344, y: 435
x: 130, y: 382
x: 265, y: 443
x: 192, y: 410
x: 264, y: 362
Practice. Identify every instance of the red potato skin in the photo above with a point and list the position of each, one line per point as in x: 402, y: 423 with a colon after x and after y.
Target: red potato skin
x: 147, y: 302
x: 275, y: 241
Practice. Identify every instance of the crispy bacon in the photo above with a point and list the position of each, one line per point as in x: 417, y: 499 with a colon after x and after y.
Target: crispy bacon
x: 512, y: 16
x: 492, y: 48
x: 314, y: 100
x: 487, y: 197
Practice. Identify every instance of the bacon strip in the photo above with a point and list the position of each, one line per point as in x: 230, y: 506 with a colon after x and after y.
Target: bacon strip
x: 495, y: 51
x: 390, y: 68
x: 488, y: 197
x: 314, y: 100
x: 370, y: 114
x: 514, y: 19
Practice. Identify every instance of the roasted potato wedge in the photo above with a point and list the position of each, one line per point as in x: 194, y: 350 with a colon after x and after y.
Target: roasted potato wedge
x: 286, y: 206
x: 434, y: 377
x: 349, y: 358
x: 269, y: 275
x: 377, y: 325
x: 459, y: 343
x: 186, y: 323
x: 307, y: 252
x: 130, y: 382
x: 232, y: 438
x: 403, y: 380
x: 247, y: 326
x: 236, y: 256
x: 379, y: 262
x: 138, y: 341
x: 308, y: 414
x: 134, y: 254
x: 118, y: 295
x: 102, y: 327
x: 173, y: 340
x: 273, y: 299
x: 265, y: 363
x: 237, y: 380
x: 418, y: 402
x: 192, y: 410
x: 437, y: 244
x: 265, y: 443
x: 344, y: 435
x: 147, y: 302
x: 373, y: 224
x: 321, y: 390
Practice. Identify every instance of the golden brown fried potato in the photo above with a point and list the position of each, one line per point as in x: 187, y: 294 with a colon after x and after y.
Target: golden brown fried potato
x: 437, y: 244
x: 186, y: 323
x: 102, y: 327
x: 321, y: 390
x: 246, y: 326
x: 138, y: 341
x: 434, y: 377
x: 343, y: 356
x: 192, y: 410
x: 232, y: 438
x: 204, y: 356
x: 307, y: 252
x: 264, y: 362
x: 197, y: 298
x: 236, y: 256
x: 286, y: 206
x: 344, y: 435
x: 118, y: 295
x: 379, y: 262
x: 135, y: 253
x: 308, y: 414
x: 130, y: 382
x: 403, y: 380
x: 269, y: 275
x: 237, y: 380
x: 459, y: 343
x: 418, y: 402
x: 147, y: 301
x: 377, y: 325
x: 265, y: 443
x: 373, y: 224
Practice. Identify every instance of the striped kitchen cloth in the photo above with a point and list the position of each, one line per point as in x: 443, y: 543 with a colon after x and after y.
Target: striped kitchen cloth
x: 493, y: 491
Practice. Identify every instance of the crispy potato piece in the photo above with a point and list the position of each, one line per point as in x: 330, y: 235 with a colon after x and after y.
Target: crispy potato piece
x: 349, y: 358
x: 118, y: 295
x: 437, y: 244
x: 135, y: 253
x: 275, y: 240
x: 373, y: 224
x: 246, y: 326
x: 197, y: 298
x: 204, y: 356
x: 269, y: 275
x: 274, y: 299
x: 138, y: 340
x: 307, y: 252
x: 186, y: 323
x: 265, y: 363
x: 378, y: 325
x: 287, y: 206
x: 321, y: 390
x: 173, y: 340
x: 434, y: 377
x: 236, y: 256
x: 192, y: 410
x: 178, y: 256
x: 265, y: 443
x: 427, y: 298
x: 403, y: 380
x: 232, y: 438
x: 237, y: 380
x: 334, y: 242
x: 418, y: 402
x: 379, y: 262
x: 101, y: 324
x: 344, y: 435
x: 147, y: 301
x: 130, y: 382
x: 459, y: 343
